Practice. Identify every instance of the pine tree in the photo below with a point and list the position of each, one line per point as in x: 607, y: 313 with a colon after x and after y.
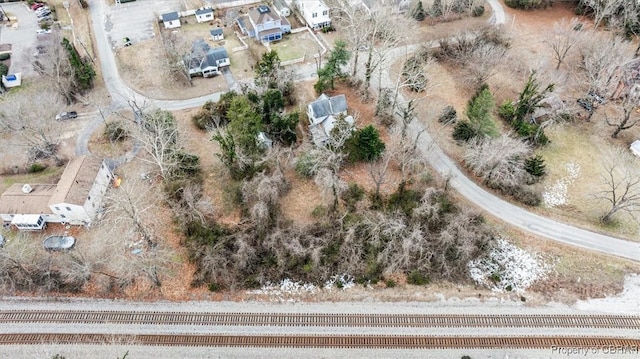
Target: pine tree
x: 418, y: 12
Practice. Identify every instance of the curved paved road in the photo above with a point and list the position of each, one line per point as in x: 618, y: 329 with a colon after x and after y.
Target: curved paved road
x: 497, y: 207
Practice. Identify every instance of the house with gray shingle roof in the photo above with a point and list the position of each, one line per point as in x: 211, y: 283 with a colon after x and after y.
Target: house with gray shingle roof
x: 323, y: 114
x: 171, y: 20
x: 263, y: 24
x: 217, y: 34
x: 205, y: 61
x: 204, y: 14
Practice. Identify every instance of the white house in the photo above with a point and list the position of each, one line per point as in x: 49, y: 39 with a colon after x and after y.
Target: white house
x: 79, y: 193
x: 171, y: 20
x: 204, y: 14
x: 635, y: 148
x: 315, y: 13
x: 217, y: 34
x: 205, y: 61
x: 76, y: 199
x: 323, y: 114
x: 27, y: 206
x: 281, y: 8
x: 263, y: 24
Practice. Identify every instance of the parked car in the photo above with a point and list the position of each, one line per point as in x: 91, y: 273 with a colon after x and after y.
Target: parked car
x: 44, y: 14
x: 43, y: 31
x: 36, y: 6
x: 62, y: 116
x: 59, y: 243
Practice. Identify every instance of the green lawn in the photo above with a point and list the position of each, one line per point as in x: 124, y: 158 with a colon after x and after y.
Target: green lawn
x: 289, y: 48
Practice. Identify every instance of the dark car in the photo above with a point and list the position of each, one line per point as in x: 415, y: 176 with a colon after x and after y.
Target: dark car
x: 62, y: 116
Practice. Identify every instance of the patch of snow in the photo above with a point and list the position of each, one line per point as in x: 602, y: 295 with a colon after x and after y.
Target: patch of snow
x: 507, y: 268
x: 556, y: 194
x: 627, y: 302
x: 285, y: 287
x: 342, y: 281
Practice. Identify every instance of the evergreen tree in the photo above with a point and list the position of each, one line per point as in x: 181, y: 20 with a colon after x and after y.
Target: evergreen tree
x: 266, y: 70
x: 535, y: 166
x: 418, y: 12
x: 480, y: 112
x: 365, y: 145
x: 436, y: 8
x: 332, y: 69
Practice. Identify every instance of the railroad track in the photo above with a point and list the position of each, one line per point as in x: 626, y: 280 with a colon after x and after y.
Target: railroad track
x: 328, y: 341
x: 321, y: 320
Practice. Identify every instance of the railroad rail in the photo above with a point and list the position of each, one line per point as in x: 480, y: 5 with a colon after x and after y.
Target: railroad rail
x: 321, y: 320
x: 630, y: 346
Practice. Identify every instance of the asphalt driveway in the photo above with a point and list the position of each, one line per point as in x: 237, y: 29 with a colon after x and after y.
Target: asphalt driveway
x: 21, y: 34
x: 135, y: 20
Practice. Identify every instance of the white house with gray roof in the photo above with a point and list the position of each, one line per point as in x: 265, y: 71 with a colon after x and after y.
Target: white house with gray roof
x: 171, y: 20
x: 205, y: 61
x: 323, y: 113
x: 204, y: 14
x: 315, y: 13
x: 75, y: 199
x: 217, y: 34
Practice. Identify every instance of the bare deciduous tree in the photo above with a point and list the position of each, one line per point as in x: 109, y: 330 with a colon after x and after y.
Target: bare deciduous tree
x: 157, y: 132
x: 29, y: 119
x: 625, y: 121
x: 621, y: 185
x: 53, y: 64
x: 562, y: 38
x: 262, y: 194
x: 378, y: 170
x: 131, y: 207
x: 498, y: 162
x: 603, y: 9
x: 180, y: 55
x: 601, y: 56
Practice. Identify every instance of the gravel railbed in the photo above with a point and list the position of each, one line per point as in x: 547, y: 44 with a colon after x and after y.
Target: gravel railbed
x: 450, y: 306
x: 275, y: 330
x: 117, y: 351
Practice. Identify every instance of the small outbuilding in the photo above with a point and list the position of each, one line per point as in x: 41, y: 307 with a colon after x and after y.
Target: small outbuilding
x: 171, y: 20
x: 217, y: 34
x: 204, y: 14
x: 12, y: 80
x: 635, y: 148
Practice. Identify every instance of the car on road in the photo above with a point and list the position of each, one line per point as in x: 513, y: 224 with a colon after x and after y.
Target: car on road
x: 63, y: 116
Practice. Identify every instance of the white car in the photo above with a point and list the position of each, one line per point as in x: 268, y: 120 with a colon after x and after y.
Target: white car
x: 42, y: 9
x: 43, y: 31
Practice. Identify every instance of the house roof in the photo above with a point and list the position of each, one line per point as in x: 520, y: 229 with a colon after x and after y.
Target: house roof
x: 15, y: 201
x: 279, y: 4
x: 213, y: 56
x: 199, y: 47
x: 170, y: 16
x: 76, y: 181
x: 325, y: 106
x: 241, y: 24
x: 217, y: 31
x: 203, y: 11
x: 263, y: 14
